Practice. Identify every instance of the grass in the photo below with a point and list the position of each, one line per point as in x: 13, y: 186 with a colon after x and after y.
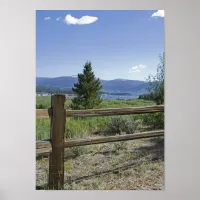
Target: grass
x: 78, y: 128
x: 45, y: 102
x: 131, y: 165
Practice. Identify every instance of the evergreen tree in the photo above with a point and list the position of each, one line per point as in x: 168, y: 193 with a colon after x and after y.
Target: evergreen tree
x: 87, y: 90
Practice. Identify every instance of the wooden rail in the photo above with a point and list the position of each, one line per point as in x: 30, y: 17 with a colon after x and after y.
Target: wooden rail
x: 43, y: 113
x: 45, y: 146
x: 56, y: 144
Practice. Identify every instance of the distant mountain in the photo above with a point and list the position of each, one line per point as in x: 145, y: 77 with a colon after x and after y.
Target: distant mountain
x: 64, y: 82
x: 109, y: 86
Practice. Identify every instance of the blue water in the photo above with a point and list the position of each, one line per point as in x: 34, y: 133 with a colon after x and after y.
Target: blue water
x: 113, y: 97
x: 109, y: 97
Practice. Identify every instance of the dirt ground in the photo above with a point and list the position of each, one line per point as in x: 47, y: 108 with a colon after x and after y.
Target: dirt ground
x: 131, y: 165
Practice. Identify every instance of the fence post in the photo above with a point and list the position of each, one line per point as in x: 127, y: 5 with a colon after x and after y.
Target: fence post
x: 57, y: 130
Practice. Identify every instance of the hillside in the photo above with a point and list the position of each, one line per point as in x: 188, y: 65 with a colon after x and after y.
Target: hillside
x: 109, y: 86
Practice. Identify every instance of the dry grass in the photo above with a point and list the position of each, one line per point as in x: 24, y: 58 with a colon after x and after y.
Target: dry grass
x: 131, y: 165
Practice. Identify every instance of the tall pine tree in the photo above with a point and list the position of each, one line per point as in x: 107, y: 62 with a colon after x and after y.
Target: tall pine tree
x: 87, y: 90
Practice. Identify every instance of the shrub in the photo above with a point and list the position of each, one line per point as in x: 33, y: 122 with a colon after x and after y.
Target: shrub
x: 154, y: 121
x: 40, y: 106
x: 118, y: 125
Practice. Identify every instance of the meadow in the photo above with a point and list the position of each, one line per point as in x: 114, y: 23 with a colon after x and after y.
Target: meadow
x: 77, y: 128
x: 125, y: 165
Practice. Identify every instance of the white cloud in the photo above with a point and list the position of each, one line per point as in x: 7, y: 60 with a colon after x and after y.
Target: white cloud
x: 136, y: 68
x: 132, y: 71
x: 81, y: 21
x: 47, y: 18
x: 58, y: 18
x: 159, y: 13
x: 141, y: 66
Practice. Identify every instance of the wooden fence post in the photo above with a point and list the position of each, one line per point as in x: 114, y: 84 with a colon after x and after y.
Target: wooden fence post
x: 57, y: 130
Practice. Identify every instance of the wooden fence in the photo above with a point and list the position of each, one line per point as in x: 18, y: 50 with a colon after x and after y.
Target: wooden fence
x: 56, y: 144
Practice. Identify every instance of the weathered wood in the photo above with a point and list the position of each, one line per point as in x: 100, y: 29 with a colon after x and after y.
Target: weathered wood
x: 43, y: 146
x: 113, y: 111
x: 57, y: 130
x: 82, y: 142
x: 46, y: 147
x: 41, y: 113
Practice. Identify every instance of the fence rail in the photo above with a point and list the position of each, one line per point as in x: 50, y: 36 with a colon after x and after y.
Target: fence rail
x: 43, y: 147
x: 56, y: 144
x: 44, y: 113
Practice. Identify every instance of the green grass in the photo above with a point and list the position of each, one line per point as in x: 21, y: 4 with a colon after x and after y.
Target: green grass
x: 130, y: 165
x: 45, y: 102
x: 83, y: 127
x: 42, y: 129
x: 125, y: 103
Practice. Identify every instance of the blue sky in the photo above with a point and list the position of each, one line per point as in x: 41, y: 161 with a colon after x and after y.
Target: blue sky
x: 119, y: 44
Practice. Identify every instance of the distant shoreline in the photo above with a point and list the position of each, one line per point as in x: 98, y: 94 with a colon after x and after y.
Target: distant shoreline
x: 101, y: 93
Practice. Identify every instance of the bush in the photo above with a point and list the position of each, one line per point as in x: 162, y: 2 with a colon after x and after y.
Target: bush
x: 118, y: 125
x: 40, y: 106
x: 154, y: 121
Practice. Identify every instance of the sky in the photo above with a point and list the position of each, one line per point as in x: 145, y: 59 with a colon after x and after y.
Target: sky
x: 120, y: 44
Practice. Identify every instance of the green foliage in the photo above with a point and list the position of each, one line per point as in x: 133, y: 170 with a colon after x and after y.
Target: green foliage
x: 146, y: 96
x: 44, y: 102
x: 156, y: 88
x: 42, y: 129
x: 122, y: 103
x: 154, y: 121
x: 87, y: 90
x: 40, y: 106
x: 82, y: 127
x: 121, y: 124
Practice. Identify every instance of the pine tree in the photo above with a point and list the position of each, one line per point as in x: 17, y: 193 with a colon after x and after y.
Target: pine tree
x: 87, y: 90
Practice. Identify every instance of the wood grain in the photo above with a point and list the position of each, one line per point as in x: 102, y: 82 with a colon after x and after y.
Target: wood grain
x: 42, y: 113
x: 45, y: 147
x: 57, y: 130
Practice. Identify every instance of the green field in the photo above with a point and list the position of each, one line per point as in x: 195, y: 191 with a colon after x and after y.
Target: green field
x: 44, y: 102
x: 77, y: 128
x: 130, y: 165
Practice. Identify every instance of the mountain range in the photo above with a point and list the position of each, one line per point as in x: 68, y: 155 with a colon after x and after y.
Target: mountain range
x: 133, y: 87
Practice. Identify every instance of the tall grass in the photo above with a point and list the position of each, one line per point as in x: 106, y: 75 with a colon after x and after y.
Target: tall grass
x: 45, y: 102
x: 42, y: 129
x: 75, y: 128
x: 83, y: 127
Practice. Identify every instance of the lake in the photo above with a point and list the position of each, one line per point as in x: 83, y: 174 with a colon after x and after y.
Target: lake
x: 104, y: 96
x: 113, y: 97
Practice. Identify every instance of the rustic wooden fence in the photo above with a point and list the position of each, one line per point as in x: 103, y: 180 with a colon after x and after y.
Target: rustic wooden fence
x: 56, y: 144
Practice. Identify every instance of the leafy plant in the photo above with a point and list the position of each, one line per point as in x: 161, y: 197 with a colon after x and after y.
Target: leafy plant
x: 119, y: 125
x: 156, y: 88
x: 154, y: 121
